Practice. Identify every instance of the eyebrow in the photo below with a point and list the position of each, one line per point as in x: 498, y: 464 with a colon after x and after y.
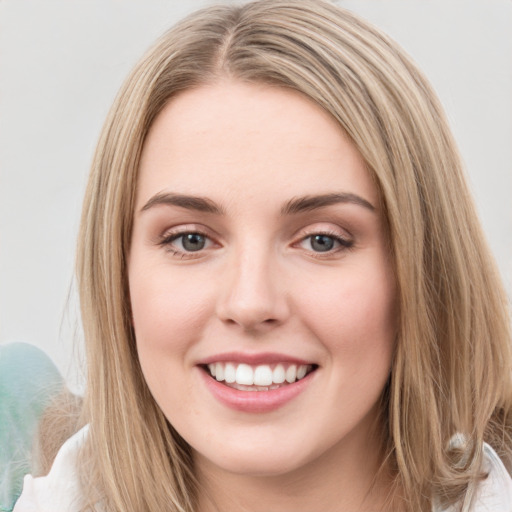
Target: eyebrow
x: 200, y: 204
x: 291, y: 207
x: 308, y: 203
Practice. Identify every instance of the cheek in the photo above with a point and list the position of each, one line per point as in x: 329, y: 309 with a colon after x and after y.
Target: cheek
x: 354, y: 314
x: 169, y: 315
x: 169, y: 309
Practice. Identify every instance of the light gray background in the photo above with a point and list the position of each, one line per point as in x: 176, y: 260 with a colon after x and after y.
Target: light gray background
x: 61, y: 63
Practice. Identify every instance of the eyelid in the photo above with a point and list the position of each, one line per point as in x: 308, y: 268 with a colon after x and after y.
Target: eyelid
x: 186, y: 228
x: 324, y: 228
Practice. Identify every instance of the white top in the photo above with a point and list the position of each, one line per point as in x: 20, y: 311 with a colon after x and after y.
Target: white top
x: 60, y: 491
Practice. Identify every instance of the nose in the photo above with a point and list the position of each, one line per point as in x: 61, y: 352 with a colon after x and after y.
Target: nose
x: 252, y: 296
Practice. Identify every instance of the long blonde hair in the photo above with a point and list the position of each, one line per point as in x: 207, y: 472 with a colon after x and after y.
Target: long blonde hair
x: 452, y: 367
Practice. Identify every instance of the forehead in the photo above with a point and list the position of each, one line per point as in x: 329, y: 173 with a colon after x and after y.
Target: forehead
x: 231, y: 138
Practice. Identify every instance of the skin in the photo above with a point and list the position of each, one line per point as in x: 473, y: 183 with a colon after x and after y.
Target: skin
x: 260, y: 285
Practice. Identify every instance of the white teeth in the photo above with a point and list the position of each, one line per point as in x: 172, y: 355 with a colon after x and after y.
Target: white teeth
x: 278, y: 375
x: 291, y: 373
x: 219, y: 371
x: 244, y: 375
x: 230, y: 373
x: 262, y: 376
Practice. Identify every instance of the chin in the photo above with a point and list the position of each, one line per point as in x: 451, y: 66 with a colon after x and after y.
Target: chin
x: 258, y: 462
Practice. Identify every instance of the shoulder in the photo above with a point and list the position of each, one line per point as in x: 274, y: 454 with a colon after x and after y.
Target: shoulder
x: 60, y: 489
x: 494, y: 494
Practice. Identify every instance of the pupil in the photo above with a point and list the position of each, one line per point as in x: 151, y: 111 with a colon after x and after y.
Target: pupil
x: 322, y: 243
x: 193, y: 242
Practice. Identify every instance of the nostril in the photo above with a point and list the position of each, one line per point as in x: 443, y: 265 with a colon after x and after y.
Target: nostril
x: 252, y: 324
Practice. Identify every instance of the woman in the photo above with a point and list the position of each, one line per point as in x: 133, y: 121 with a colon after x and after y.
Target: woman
x: 286, y: 295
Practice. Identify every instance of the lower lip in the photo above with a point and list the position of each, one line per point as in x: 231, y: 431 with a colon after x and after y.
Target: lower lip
x: 255, y: 401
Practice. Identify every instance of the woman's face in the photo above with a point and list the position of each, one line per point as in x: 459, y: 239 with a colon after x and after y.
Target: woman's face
x: 259, y: 255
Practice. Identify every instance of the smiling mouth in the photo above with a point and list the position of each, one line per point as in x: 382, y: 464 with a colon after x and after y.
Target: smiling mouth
x: 263, y: 377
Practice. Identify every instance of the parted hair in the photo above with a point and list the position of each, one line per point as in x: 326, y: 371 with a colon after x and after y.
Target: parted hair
x: 451, y: 368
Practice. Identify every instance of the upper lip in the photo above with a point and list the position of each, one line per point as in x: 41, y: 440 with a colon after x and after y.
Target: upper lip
x: 253, y: 359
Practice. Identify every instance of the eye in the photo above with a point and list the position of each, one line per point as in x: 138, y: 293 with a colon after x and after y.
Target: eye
x: 186, y: 242
x: 191, y: 242
x: 324, y: 243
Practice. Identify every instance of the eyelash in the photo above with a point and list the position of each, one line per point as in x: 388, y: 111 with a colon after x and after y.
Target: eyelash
x: 168, y: 239
x: 344, y: 243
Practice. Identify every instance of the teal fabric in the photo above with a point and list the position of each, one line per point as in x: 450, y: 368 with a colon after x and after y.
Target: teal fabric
x: 28, y: 382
